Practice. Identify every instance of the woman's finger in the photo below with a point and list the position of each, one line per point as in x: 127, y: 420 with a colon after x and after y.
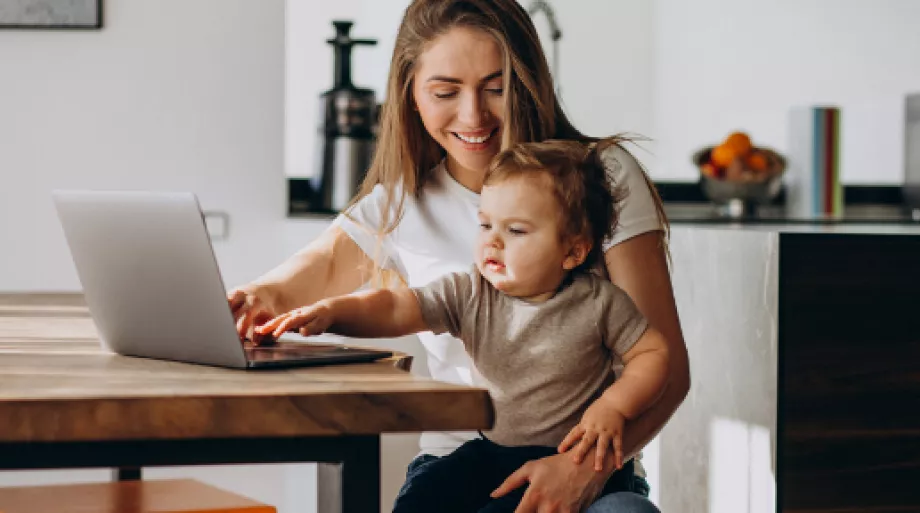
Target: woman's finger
x: 261, y: 316
x: 236, y: 299
x: 618, y: 450
x: 570, y: 439
x: 243, y: 324
x: 517, y: 479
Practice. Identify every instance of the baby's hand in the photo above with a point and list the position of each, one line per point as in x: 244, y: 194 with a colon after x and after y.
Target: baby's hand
x: 600, y: 426
x: 309, y: 320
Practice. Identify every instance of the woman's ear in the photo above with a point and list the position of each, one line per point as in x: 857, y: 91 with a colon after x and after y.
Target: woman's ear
x: 577, y: 254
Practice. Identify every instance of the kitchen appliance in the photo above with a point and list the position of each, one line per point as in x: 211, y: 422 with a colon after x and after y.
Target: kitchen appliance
x: 347, y: 126
x: 543, y: 6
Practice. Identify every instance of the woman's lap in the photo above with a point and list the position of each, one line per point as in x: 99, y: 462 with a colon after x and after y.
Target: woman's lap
x: 619, y: 502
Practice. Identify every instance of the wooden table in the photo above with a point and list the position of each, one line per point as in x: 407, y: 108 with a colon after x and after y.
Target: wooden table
x: 66, y: 403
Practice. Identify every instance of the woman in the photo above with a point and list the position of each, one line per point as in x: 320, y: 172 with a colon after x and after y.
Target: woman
x: 468, y: 78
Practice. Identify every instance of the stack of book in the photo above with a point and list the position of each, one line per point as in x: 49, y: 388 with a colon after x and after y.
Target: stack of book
x: 814, y: 163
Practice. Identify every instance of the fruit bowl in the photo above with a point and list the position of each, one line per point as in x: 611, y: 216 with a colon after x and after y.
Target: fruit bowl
x: 738, y: 175
x: 736, y: 182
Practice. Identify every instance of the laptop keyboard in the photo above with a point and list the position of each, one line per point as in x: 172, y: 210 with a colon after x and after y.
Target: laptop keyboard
x: 287, y: 351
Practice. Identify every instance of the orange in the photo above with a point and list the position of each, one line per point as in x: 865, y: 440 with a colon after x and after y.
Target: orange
x: 709, y: 170
x: 740, y: 142
x: 723, y: 155
x: 756, y: 161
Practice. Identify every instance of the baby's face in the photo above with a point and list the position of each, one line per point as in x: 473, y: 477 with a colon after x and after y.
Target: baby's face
x: 519, y: 249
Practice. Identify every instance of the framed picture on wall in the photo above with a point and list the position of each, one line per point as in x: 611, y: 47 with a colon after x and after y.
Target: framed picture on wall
x: 50, y: 14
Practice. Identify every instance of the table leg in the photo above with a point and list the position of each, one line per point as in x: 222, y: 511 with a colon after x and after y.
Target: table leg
x: 126, y: 474
x: 352, y: 486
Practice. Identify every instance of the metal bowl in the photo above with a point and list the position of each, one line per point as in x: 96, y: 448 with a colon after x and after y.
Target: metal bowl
x: 753, y: 191
x: 723, y: 191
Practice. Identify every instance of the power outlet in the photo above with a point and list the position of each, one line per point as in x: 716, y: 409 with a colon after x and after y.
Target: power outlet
x: 218, y: 225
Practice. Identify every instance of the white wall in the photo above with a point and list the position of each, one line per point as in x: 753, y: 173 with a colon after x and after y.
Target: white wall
x: 169, y: 95
x: 606, y: 63
x: 723, y: 65
x: 684, y: 74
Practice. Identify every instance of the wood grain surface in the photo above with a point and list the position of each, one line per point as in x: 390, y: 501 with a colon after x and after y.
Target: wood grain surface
x: 151, y: 496
x: 849, y: 409
x: 58, y: 384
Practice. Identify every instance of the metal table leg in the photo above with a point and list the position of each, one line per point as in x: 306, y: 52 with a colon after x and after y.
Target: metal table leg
x: 352, y: 486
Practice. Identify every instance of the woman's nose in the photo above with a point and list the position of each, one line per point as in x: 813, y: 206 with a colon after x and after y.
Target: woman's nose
x: 472, y: 110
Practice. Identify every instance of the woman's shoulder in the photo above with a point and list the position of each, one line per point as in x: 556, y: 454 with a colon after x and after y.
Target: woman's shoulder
x: 637, y: 208
x: 620, y: 163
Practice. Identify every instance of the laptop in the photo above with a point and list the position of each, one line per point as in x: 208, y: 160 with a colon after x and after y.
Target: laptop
x: 154, y: 290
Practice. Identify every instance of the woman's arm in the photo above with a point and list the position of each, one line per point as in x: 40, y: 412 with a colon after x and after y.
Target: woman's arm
x: 639, y: 267
x: 331, y: 265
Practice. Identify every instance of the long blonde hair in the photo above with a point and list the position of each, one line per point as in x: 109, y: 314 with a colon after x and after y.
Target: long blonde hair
x: 406, y: 153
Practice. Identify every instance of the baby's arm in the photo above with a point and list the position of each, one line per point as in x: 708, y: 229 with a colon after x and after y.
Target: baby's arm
x: 370, y: 314
x: 641, y: 384
x: 644, y: 376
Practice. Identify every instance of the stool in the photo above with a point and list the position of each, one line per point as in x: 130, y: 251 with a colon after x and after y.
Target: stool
x: 155, y: 496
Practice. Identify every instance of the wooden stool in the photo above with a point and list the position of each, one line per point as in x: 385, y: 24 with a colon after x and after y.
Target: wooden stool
x: 156, y: 496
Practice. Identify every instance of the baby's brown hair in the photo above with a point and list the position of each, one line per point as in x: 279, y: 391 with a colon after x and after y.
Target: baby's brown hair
x: 580, y: 185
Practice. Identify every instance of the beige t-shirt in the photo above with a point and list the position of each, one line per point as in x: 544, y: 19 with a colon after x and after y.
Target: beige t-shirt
x: 543, y: 363
x: 436, y: 235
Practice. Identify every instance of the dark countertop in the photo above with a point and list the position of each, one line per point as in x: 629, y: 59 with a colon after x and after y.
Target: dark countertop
x: 861, y: 229
x: 769, y: 220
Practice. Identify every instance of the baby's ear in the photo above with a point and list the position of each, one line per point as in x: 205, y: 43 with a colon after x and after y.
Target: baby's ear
x: 577, y: 254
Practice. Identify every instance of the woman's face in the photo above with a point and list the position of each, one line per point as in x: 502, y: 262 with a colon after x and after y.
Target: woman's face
x: 458, y: 94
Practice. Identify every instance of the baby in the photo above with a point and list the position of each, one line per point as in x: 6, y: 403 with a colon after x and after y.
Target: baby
x: 543, y: 330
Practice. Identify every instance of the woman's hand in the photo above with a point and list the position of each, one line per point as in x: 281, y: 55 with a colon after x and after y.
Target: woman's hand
x: 557, y: 484
x: 250, y: 307
x: 330, y: 266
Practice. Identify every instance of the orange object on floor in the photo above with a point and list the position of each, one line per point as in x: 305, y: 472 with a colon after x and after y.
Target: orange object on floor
x: 155, y: 496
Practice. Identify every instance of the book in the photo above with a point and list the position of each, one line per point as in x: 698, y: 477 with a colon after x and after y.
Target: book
x: 813, y: 174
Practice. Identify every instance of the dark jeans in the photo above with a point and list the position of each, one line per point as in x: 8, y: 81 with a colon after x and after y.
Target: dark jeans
x: 462, y: 481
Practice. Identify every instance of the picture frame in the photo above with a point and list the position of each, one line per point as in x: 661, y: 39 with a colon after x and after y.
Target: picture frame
x: 51, y: 14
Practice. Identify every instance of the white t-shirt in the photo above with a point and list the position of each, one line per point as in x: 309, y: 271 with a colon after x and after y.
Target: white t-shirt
x: 436, y: 236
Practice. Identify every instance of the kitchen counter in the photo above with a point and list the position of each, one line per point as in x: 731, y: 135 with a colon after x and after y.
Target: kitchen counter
x: 780, y: 221
x: 803, y: 346
x: 872, y: 214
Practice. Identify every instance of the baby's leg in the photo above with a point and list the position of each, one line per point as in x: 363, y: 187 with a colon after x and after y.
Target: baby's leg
x: 459, y: 482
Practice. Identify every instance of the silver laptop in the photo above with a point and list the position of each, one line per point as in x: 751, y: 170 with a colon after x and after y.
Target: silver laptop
x: 154, y: 289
